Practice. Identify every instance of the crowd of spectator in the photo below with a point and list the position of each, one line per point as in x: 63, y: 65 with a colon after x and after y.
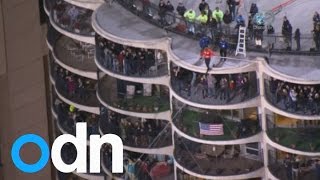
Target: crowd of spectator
x: 72, y: 18
x: 130, y: 61
x: 139, y: 166
x: 137, y: 132
x: 68, y: 116
x: 294, y: 166
x: 208, y: 86
x: 300, y: 99
x: 77, y: 88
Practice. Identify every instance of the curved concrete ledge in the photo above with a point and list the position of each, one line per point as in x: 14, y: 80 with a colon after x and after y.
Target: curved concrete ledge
x: 88, y: 74
x: 94, y: 110
x: 155, y: 43
x: 46, y: 9
x: 253, y: 174
x: 269, y: 71
x: 286, y: 149
x: 274, y: 109
x: 255, y: 138
x: 106, y: 170
x: 166, y: 115
x: 162, y: 80
x: 50, y: 47
x: 87, y: 4
x: 82, y: 38
x: 253, y: 102
x: 269, y: 175
x: 89, y: 176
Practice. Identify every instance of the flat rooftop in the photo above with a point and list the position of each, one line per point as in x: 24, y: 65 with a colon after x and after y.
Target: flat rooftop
x: 126, y: 25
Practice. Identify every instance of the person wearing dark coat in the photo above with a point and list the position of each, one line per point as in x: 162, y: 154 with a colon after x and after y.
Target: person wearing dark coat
x: 181, y: 9
x: 287, y: 32
x: 254, y: 9
x: 297, y: 38
x: 202, y: 5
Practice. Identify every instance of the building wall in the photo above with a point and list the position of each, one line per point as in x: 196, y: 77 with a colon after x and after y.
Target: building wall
x: 22, y: 84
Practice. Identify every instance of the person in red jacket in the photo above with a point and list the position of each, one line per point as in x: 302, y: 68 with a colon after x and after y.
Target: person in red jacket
x: 206, y: 54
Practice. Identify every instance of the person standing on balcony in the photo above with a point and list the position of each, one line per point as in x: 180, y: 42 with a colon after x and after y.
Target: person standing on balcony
x: 206, y: 54
x: 218, y: 15
x: 211, y: 85
x: 202, y: 19
x: 181, y: 9
x: 223, y: 45
x: 227, y: 19
x: 232, y: 8
x: 190, y: 17
x: 316, y: 36
x: 287, y: 32
x: 297, y: 38
x: 203, y: 5
x: 316, y: 19
x: 170, y: 16
x: 162, y: 12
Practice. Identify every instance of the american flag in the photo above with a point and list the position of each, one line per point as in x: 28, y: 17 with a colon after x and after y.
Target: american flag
x: 211, y: 129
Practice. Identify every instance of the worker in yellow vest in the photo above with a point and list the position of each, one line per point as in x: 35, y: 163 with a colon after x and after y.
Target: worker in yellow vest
x: 217, y: 14
x: 190, y: 17
x: 202, y: 19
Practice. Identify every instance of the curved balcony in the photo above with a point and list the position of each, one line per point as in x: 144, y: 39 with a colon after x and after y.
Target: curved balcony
x: 202, y: 89
x: 75, y: 56
x: 155, y: 166
x: 69, y: 155
x: 72, y: 21
x: 134, y: 99
x: 47, y: 6
x: 88, y: 4
x: 68, y: 116
x: 285, y: 166
x: 79, y: 90
x: 295, y: 134
x: 130, y: 63
x: 231, y: 126
x: 214, y: 162
x: 295, y: 100
x: 150, y: 135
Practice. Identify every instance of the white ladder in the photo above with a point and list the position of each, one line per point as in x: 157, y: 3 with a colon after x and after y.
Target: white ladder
x: 241, y: 46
